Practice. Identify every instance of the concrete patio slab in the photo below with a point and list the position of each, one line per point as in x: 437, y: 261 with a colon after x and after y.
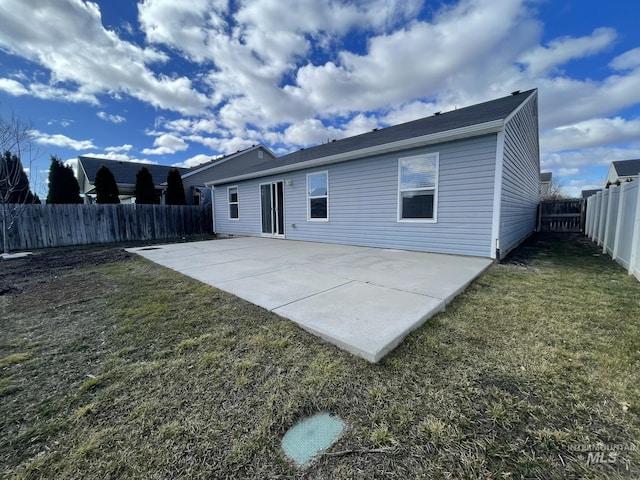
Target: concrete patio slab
x: 364, y: 300
x: 364, y: 319
x: 266, y: 290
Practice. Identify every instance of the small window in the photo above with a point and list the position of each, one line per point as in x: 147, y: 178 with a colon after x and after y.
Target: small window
x: 318, y: 196
x: 417, y: 189
x: 233, y: 203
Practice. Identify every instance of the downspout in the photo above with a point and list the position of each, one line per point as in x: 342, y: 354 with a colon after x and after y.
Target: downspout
x: 213, y: 208
x: 497, y: 198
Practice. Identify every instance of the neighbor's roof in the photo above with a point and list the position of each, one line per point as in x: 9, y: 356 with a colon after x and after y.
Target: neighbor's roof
x: 627, y: 168
x: 482, y: 113
x: 124, y: 172
x: 246, y: 162
x: 545, y: 176
x: 588, y: 193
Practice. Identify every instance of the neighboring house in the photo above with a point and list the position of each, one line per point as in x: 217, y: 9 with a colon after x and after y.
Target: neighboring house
x: 545, y: 184
x: 194, y: 179
x: 623, y: 171
x: 124, y: 173
x: 588, y: 193
x: 462, y: 182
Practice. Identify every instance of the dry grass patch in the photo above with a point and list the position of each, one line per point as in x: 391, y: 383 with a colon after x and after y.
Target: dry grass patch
x: 538, y: 358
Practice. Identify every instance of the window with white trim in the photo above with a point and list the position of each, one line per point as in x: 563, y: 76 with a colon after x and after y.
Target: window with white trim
x: 417, y: 188
x: 318, y: 196
x: 234, y: 212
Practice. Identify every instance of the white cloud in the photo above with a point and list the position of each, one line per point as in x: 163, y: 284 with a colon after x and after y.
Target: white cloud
x: 87, y: 58
x: 541, y: 59
x: 310, y: 132
x: 166, y: 144
x: 194, y: 161
x: 45, y: 92
x: 122, y: 157
x: 122, y: 148
x: 591, y: 133
x: 12, y: 87
x: 567, y: 172
x: 590, y: 157
x: 111, y: 118
x: 62, y: 141
x: 627, y: 61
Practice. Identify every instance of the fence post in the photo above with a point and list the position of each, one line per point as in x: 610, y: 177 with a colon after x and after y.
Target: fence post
x: 634, y: 260
x: 596, y: 214
x: 619, y: 219
x: 603, y: 217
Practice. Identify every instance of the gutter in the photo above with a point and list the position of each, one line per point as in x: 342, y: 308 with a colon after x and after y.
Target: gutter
x: 494, y: 126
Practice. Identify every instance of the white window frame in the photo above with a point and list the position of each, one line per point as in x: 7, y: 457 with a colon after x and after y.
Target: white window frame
x: 309, y: 197
x: 433, y: 189
x: 236, y: 203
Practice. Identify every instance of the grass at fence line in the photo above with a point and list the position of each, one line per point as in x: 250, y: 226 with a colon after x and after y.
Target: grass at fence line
x: 126, y: 369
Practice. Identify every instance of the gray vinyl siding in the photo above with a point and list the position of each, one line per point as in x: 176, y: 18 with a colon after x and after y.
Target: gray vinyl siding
x: 363, y: 202
x: 520, y: 177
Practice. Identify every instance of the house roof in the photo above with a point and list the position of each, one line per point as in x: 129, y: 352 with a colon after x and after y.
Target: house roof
x: 217, y: 161
x: 545, y: 176
x: 627, y: 168
x: 440, y: 125
x: 124, y: 172
x: 588, y: 193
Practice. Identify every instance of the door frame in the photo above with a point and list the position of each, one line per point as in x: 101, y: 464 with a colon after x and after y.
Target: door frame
x: 277, y: 211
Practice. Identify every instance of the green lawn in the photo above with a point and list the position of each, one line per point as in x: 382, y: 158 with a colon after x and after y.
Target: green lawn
x: 126, y: 369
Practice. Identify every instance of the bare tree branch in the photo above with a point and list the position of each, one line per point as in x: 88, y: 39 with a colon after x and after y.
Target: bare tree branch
x: 15, y: 191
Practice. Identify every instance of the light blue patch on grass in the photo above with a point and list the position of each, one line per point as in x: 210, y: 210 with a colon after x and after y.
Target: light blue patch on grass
x: 311, y: 436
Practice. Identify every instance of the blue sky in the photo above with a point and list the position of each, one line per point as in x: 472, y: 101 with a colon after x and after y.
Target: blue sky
x: 176, y: 82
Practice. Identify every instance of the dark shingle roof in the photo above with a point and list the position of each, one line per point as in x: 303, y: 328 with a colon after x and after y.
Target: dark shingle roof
x: 545, y: 176
x: 463, y: 117
x: 588, y: 193
x: 627, y: 168
x: 125, y: 172
x: 237, y: 159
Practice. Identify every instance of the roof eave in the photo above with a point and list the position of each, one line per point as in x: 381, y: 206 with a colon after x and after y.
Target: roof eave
x: 414, y: 142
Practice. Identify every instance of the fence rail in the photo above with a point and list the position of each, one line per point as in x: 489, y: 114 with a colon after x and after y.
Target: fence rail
x: 561, y: 215
x: 613, y: 222
x: 42, y: 226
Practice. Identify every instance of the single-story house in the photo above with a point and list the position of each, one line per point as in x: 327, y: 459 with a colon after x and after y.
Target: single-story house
x: 193, y: 180
x: 123, y: 172
x: 623, y: 171
x: 463, y: 182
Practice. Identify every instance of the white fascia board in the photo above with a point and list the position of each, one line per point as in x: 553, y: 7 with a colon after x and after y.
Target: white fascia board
x: 413, y: 142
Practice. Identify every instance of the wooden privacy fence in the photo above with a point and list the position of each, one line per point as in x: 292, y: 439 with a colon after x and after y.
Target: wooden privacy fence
x: 42, y: 226
x: 613, y: 222
x: 561, y: 215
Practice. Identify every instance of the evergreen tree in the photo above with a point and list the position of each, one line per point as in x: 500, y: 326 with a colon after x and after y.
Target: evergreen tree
x: 175, y: 190
x: 106, y: 187
x: 14, y: 183
x: 145, y: 189
x: 63, y: 185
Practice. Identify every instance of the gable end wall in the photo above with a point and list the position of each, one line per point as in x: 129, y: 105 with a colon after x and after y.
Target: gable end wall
x: 520, y: 177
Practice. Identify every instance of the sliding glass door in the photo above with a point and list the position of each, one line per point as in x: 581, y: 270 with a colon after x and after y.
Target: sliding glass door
x: 272, y: 209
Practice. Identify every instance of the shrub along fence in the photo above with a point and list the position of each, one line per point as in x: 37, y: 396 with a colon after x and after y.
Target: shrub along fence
x: 613, y: 222
x: 42, y: 226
